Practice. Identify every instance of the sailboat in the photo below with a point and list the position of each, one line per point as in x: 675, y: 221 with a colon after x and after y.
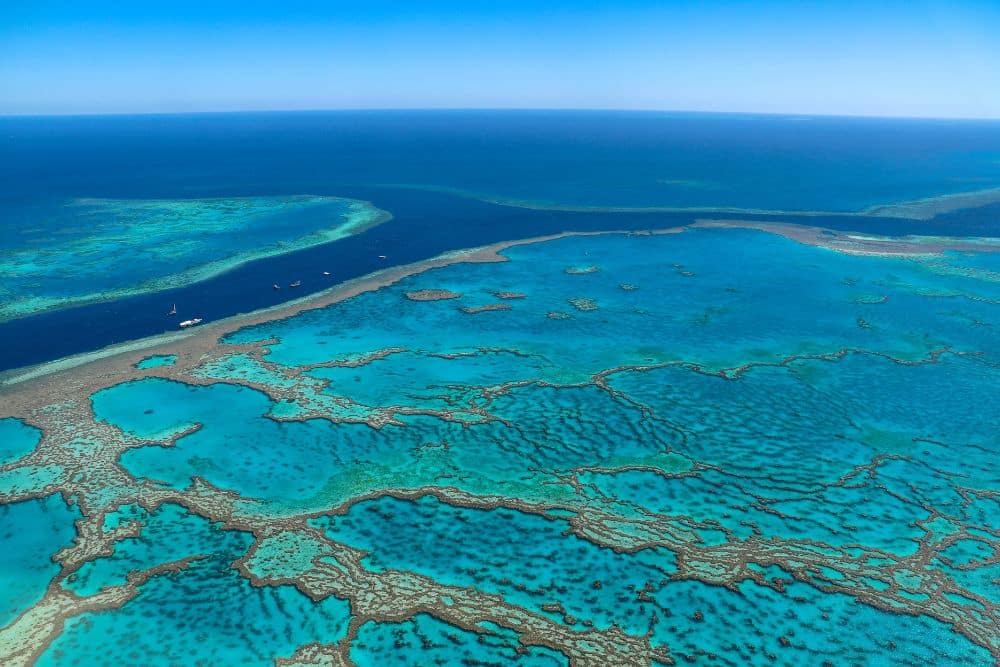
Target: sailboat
x: 173, y: 311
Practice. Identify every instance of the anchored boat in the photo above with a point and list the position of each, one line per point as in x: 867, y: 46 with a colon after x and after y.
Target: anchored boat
x: 190, y: 323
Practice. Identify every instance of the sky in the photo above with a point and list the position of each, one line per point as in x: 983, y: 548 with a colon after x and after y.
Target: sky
x: 918, y: 58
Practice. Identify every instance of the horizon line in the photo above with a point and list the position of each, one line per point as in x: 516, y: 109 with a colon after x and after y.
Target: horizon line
x: 787, y: 114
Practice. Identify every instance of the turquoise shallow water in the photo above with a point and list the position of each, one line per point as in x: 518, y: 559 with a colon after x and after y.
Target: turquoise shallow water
x: 84, y: 250
x: 156, y: 361
x: 423, y: 640
x: 718, y: 446
x: 206, y: 615
x: 502, y: 552
x: 32, y: 532
x: 260, y: 458
x: 719, y: 299
x: 16, y: 439
x: 586, y: 586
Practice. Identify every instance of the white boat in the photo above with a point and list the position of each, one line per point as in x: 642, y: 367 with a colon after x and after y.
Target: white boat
x: 297, y: 283
x: 381, y: 256
x: 173, y: 311
x: 326, y: 273
x: 190, y: 323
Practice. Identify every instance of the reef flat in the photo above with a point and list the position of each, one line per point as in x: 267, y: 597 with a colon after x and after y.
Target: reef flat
x: 734, y: 446
x: 855, y: 243
x: 920, y: 210
x: 929, y: 207
x: 91, y: 250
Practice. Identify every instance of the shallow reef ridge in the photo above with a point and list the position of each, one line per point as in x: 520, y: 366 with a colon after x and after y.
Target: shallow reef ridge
x: 718, y: 446
x: 89, y: 250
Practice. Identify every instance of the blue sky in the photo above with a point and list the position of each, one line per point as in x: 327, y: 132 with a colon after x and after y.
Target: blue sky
x: 917, y: 58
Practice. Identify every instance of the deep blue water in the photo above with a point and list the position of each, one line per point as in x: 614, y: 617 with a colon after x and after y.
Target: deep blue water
x: 597, y: 158
x: 565, y: 158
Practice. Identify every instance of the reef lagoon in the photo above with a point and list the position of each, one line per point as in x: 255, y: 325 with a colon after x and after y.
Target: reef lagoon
x: 588, y: 389
x: 83, y: 251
